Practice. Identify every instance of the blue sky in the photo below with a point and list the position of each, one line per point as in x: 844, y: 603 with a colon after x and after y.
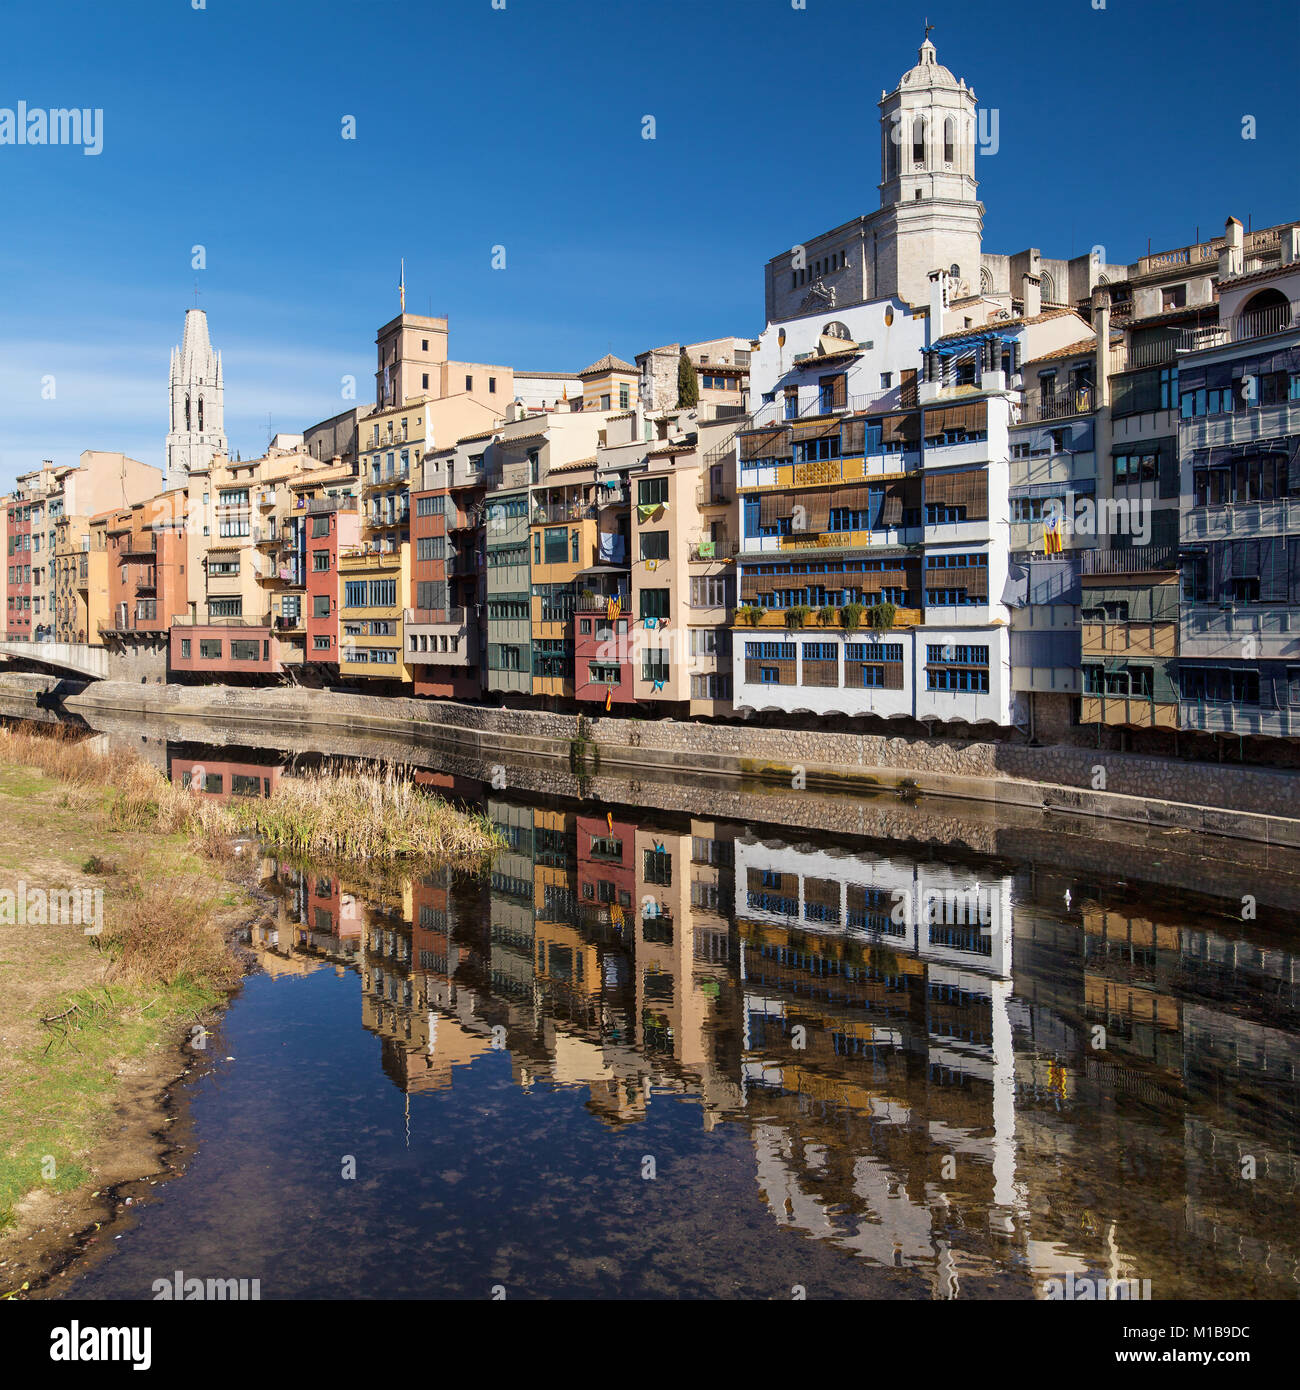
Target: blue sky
x: 522, y: 127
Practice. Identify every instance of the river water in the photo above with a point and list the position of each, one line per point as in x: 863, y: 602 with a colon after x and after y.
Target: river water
x: 670, y: 1053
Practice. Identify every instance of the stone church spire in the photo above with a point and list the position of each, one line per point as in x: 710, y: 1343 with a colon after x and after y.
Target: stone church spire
x: 197, y: 421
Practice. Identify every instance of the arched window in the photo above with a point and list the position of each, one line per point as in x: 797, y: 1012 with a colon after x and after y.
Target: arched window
x: 187, y: 411
x: 891, y: 150
x: 986, y: 280
x: 1048, y: 289
x: 918, y: 139
x: 200, y: 414
x: 949, y: 140
x: 1268, y: 311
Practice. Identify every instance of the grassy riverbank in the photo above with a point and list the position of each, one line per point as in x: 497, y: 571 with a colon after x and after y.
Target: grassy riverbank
x: 89, y: 1024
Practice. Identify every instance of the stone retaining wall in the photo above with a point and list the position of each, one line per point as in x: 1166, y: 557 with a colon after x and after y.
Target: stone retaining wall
x: 1130, y: 786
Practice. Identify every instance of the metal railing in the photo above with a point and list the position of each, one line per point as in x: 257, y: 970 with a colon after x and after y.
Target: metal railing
x: 714, y: 550
x: 430, y: 617
x: 1138, y: 559
x: 712, y: 495
x: 192, y: 620
x: 1129, y: 357
x: 599, y: 603
x: 562, y: 511
x: 1055, y: 405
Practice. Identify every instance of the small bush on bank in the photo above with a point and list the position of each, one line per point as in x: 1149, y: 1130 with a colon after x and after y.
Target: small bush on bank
x: 163, y: 932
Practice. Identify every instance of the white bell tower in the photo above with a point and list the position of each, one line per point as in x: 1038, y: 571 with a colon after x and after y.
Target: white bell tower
x: 932, y: 217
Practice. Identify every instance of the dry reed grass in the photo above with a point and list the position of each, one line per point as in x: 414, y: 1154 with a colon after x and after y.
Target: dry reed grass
x: 370, y: 814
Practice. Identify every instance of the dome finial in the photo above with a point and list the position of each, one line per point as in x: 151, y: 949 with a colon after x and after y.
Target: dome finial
x: 927, y: 50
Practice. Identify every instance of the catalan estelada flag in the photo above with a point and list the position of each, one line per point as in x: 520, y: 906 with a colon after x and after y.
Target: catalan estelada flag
x: 1052, y: 536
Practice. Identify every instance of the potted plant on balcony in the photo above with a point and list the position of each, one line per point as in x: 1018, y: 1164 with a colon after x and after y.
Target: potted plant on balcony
x: 750, y: 613
x: 851, y: 616
x: 826, y: 614
x: 797, y: 615
x: 880, y: 616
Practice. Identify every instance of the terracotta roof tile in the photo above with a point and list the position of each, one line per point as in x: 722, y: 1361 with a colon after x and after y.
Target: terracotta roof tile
x: 996, y: 325
x: 1078, y: 349
x: 608, y: 363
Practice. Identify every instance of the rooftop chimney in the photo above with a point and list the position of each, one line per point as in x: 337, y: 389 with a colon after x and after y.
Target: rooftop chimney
x: 1231, y: 257
x: 938, y: 302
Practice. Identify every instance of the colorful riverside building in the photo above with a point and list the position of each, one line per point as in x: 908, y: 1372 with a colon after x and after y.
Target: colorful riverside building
x: 1122, y: 551
x: 543, y: 502
x: 375, y: 584
x: 147, y: 553
x: 249, y: 527
x: 444, y: 629
x: 41, y: 601
x: 1239, y: 445
x: 424, y: 403
x: 874, y: 533
x: 329, y: 499
x: 649, y: 627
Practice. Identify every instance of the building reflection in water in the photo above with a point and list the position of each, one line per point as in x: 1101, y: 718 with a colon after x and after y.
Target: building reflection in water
x: 939, y: 1065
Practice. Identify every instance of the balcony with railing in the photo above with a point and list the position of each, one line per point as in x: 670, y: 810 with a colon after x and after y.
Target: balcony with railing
x: 383, y: 477
x: 1254, y: 323
x: 1056, y: 405
x: 378, y: 555
x: 1130, y: 357
x: 189, y: 620
x: 1137, y: 559
x: 1242, y: 519
x: 141, y: 616
x: 615, y: 496
x: 713, y: 495
x: 593, y: 601
x: 546, y: 513
x: 714, y: 550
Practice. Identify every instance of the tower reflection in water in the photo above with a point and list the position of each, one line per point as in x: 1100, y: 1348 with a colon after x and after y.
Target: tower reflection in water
x: 940, y: 1065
